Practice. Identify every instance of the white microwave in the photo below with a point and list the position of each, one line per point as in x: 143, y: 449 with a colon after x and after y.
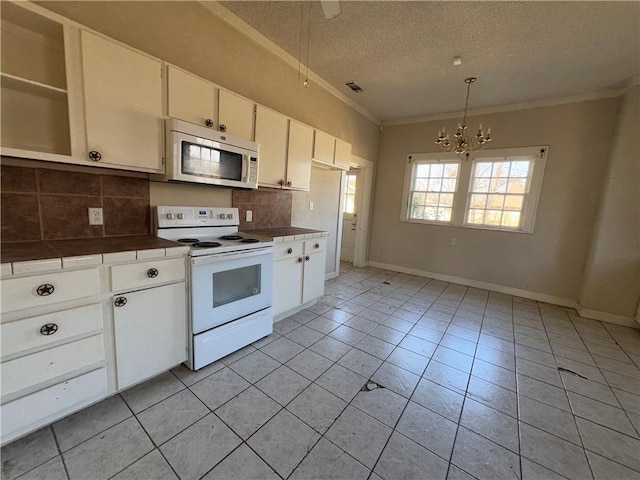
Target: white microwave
x: 197, y: 154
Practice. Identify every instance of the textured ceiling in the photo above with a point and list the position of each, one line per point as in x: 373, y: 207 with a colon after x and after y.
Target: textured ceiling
x: 401, y: 53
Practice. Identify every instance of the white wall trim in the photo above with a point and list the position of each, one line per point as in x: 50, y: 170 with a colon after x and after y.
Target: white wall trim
x: 263, y: 41
x: 330, y: 275
x: 606, y: 316
x: 609, y: 93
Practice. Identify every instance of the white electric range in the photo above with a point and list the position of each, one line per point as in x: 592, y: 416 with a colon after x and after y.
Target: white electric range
x: 230, y: 280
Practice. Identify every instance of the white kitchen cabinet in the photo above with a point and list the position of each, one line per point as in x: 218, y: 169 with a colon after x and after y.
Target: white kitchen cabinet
x: 299, y: 153
x: 122, y: 105
x: 191, y: 98
x: 235, y: 115
x: 271, y: 134
x: 298, y: 275
x: 150, y: 332
x: 35, y: 110
x: 331, y: 151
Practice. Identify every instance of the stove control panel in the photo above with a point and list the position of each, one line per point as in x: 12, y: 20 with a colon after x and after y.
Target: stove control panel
x: 179, y: 216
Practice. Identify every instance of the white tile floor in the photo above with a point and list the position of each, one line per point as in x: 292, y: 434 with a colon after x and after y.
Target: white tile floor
x: 464, y: 384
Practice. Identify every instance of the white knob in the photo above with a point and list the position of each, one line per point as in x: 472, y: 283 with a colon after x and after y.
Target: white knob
x: 229, y: 216
x: 181, y: 216
x: 222, y: 216
x: 169, y: 216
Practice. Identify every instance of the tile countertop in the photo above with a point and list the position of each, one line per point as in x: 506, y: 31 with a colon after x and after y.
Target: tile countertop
x: 39, y: 256
x: 286, y: 234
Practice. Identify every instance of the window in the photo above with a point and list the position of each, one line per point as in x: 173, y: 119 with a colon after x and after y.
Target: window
x: 350, y: 193
x: 494, y: 189
x: 432, y: 189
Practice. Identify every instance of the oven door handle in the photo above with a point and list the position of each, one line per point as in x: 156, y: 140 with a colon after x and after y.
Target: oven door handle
x: 222, y: 257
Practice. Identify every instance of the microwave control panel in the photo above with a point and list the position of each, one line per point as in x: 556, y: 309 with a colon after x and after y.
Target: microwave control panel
x: 253, y: 170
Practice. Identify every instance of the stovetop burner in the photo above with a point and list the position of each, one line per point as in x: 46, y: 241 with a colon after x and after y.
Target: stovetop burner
x: 231, y: 237
x: 249, y: 240
x: 207, y: 244
x: 188, y: 240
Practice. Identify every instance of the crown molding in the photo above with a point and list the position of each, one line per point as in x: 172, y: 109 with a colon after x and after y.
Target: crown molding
x: 585, y: 97
x: 256, y: 36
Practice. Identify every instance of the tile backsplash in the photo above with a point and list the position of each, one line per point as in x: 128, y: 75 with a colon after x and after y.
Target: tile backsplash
x: 271, y: 208
x: 44, y: 204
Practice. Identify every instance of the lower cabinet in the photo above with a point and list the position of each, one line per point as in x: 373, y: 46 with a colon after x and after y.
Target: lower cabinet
x: 150, y: 332
x: 298, y: 274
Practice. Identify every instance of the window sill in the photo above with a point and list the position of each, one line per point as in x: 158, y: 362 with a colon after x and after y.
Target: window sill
x: 470, y: 227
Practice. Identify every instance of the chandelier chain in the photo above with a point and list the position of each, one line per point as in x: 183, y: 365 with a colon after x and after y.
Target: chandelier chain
x: 466, y: 104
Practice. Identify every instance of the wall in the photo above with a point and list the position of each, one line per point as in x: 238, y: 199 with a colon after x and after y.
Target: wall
x: 325, y: 195
x: 612, y: 277
x: 270, y: 208
x: 551, y: 260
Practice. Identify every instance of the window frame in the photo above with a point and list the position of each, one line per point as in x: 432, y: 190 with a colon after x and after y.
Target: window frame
x: 462, y: 193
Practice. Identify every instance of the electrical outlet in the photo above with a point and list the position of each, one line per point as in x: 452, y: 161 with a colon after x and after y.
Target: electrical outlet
x: 249, y: 216
x: 95, y: 216
x: 310, y: 205
x: 453, y: 242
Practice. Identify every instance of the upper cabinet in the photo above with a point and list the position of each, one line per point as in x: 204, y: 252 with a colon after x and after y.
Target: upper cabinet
x: 191, y: 98
x: 299, y: 153
x: 235, y: 115
x: 35, y: 112
x: 122, y: 105
x: 271, y: 135
x: 331, y: 151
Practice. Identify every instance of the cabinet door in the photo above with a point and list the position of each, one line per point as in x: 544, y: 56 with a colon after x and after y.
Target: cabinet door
x: 191, y: 99
x: 299, y: 153
x: 271, y: 135
x: 287, y: 284
x: 323, y: 147
x: 313, y: 276
x: 123, y: 104
x: 150, y: 332
x: 343, y: 154
x: 236, y: 114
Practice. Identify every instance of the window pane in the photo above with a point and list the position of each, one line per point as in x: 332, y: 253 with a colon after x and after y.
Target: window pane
x: 495, y: 202
x: 432, y: 199
x: 493, y: 217
x: 451, y: 170
x: 483, y: 169
x: 417, y: 212
x: 520, y: 168
x: 446, y: 199
x: 418, y: 198
x: 351, y: 184
x: 350, y: 204
x: 436, y: 170
x: 444, y: 214
x: 517, y: 185
x: 435, y: 185
x: 422, y: 170
x: 421, y: 184
x: 481, y: 185
x: 511, y: 219
x: 430, y: 213
x: 449, y: 185
x: 498, y: 185
x: 513, y: 202
x: 475, y: 216
x: 501, y: 169
x: 478, y: 201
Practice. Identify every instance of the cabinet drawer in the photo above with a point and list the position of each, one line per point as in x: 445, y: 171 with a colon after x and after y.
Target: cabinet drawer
x: 30, y: 370
x: 29, y: 412
x: 155, y: 272
x: 25, y: 334
x: 282, y: 250
x: 315, y: 245
x: 39, y: 290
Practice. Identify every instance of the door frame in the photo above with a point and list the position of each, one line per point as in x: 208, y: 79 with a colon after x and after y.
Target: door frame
x: 364, y: 192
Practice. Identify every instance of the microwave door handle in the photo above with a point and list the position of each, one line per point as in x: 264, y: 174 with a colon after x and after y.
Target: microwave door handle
x: 245, y: 166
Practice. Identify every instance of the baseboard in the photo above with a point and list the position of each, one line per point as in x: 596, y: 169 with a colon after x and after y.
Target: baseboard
x: 607, y: 317
x: 329, y: 276
x: 283, y: 315
x: 540, y: 297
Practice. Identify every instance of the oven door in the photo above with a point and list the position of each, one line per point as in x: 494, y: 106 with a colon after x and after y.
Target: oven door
x: 229, y: 286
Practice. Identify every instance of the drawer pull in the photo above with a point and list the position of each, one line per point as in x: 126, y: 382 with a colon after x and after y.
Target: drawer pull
x: 289, y: 250
x: 317, y: 245
x: 307, y: 258
x: 48, y: 329
x: 300, y: 260
x: 45, y: 289
x: 208, y: 122
x: 120, y: 301
x: 95, y: 156
x: 152, y: 273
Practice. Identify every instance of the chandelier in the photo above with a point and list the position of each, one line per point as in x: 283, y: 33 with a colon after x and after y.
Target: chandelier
x: 462, y: 143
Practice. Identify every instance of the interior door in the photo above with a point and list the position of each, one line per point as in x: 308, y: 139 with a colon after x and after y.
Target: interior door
x: 350, y: 217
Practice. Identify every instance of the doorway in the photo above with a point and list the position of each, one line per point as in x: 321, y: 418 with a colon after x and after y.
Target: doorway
x: 349, y: 216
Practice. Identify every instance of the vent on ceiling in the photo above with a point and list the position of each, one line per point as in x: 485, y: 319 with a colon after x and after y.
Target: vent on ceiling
x: 354, y: 86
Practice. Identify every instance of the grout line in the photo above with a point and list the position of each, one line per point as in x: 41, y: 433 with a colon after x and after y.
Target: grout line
x: 64, y: 464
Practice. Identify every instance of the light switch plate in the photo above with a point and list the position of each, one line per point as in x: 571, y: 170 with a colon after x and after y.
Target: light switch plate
x: 249, y: 216
x: 310, y: 205
x: 95, y: 216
